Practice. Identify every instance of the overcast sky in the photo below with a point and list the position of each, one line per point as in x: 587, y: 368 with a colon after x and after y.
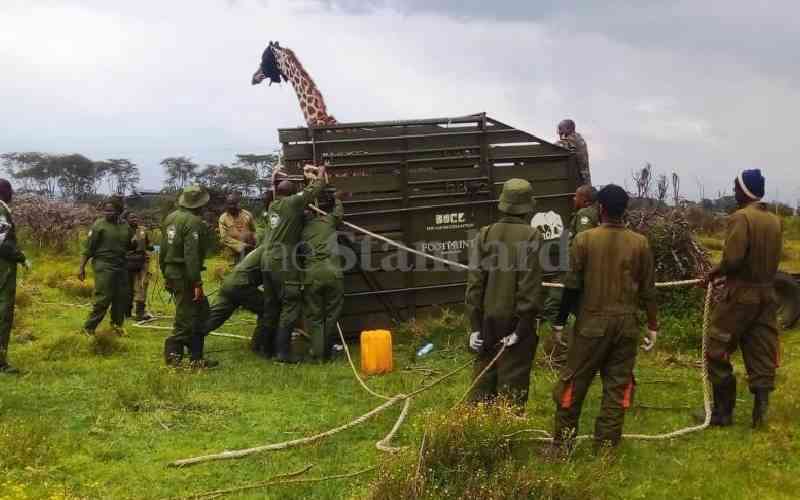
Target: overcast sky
x: 700, y: 88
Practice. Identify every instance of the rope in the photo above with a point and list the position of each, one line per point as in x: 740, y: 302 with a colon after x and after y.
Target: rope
x: 144, y: 324
x: 353, y: 367
x: 383, y: 444
x: 481, y: 374
x: 464, y: 266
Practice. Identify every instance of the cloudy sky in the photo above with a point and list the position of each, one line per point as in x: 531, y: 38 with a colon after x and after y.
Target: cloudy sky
x: 700, y: 88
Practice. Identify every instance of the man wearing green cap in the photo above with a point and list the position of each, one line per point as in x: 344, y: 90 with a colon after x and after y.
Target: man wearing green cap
x: 323, y: 294
x: 183, y: 250
x: 282, y: 280
x: 747, y: 315
x: 240, y: 289
x: 10, y: 257
x: 503, y: 297
x: 107, y: 245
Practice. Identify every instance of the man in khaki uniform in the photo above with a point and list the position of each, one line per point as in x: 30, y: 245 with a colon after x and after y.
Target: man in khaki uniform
x: 237, y: 228
x: 138, y: 269
x: 502, y: 297
x: 747, y: 315
x: 570, y: 139
x: 614, y: 273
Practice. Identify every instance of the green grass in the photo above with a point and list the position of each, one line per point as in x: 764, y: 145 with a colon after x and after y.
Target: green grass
x: 103, y: 421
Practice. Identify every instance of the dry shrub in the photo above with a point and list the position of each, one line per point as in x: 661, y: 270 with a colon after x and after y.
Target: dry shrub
x: 77, y: 288
x: 26, y: 443
x: 468, y: 454
x: 49, y: 223
x: 106, y: 343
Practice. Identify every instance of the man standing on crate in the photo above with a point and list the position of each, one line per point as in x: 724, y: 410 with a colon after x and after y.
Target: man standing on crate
x: 10, y: 257
x: 184, y: 245
x: 613, y: 274
x: 746, y: 317
x: 107, y: 246
x: 570, y: 139
x: 281, y: 274
x: 323, y: 294
x: 502, y: 298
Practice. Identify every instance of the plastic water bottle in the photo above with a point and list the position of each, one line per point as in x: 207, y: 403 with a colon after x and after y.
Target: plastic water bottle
x: 425, y: 350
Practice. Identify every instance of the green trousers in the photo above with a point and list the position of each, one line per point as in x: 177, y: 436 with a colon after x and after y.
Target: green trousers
x: 600, y: 344
x: 190, y: 317
x: 111, y: 290
x: 746, y: 318
x: 229, y: 300
x: 510, y: 376
x: 282, y: 299
x: 8, y: 292
x: 323, y: 297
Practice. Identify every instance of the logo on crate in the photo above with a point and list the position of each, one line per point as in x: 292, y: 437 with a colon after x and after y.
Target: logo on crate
x: 549, y: 224
x: 450, y: 220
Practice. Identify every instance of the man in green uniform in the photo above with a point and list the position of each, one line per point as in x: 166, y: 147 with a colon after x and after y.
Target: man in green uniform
x: 746, y: 317
x: 323, y: 292
x: 183, y: 250
x: 107, y: 245
x: 585, y: 217
x: 503, y: 297
x: 10, y: 257
x: 240, y: 289
x: 614, y: 274
x: 138, y: 269
x: 570, y: 139
x: 282, y: 280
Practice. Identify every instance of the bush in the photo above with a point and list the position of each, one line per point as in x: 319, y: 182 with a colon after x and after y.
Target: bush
x: 468, y: 454
x: 51, y: 224
x: 158, y: 389
x: 680, y: 311
x: 106, y: 344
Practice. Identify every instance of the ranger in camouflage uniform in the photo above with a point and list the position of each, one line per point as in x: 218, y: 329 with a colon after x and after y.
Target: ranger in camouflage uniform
x: 570, y: 139
x: 185, y: 240
x: 746, y: 317
x: 614, y: 272
x: 10, y: 257
x: 502, y: 297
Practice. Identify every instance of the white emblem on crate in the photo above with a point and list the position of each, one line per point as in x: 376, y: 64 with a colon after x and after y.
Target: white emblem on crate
x: 549, y: 224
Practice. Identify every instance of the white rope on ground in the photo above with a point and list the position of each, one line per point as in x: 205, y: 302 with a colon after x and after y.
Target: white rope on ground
x: 144, y: 324
x: 353, y: 367
x: 383, y: 444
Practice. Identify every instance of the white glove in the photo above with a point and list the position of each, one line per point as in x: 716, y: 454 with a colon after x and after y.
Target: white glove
x: 558, y: 331
x: 27, y: 264
x: 475, y: 341
x: 509, y: 340
x: 650, y: 340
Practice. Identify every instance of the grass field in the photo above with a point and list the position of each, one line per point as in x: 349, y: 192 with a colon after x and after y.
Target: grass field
x: 103, y: 418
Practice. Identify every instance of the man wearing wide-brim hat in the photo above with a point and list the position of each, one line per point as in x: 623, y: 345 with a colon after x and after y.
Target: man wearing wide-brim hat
x: 503, y: 295
x: 185, y: 241
x: 746, y: 318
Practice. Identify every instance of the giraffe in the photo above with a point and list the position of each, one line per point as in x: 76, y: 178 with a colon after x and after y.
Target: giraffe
x: 281, y: 64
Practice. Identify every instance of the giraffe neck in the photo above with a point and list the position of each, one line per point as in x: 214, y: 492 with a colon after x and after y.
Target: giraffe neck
x: 311, y: 101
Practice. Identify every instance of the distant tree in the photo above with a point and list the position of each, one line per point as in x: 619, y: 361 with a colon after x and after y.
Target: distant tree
x: 35, y: 172
x: 228, y: 179
x: 643, y: 179
x: 121, y: 175
x: 210, y: 177
x: 77, y: 176
x: 676, y: 189
x: 662, y: 189
x: 180, y: 172
x: 262, y: 165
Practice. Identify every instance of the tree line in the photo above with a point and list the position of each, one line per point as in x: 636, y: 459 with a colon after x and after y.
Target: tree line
x: 79, y: 178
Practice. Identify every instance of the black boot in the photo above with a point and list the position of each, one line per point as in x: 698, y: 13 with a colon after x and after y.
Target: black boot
x: 283, y: 346
x: 173, y: 352
x: 760, y: 407
x: 196, y: 348
x: 141, y: 313
x: 261, y: 343
x: 724, y: 400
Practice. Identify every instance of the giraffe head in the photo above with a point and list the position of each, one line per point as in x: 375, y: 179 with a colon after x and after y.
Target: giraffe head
x: 268, y: 68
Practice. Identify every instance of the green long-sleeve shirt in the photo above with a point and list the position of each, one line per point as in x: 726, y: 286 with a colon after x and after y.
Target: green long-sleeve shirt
x: 107, y: 244
x: 9, y: 252
x: 184, y: 245
x: 752, y: 246
x: 319, y: 235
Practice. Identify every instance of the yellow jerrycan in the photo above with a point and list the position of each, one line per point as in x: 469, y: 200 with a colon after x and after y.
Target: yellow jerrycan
x: 376, y: 351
